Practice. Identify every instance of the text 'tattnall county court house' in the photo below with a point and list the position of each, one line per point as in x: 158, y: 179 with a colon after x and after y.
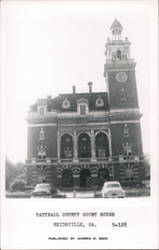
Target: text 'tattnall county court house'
x: 83, y: 139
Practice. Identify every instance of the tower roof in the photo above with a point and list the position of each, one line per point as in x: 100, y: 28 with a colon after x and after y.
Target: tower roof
x: 116, y: 25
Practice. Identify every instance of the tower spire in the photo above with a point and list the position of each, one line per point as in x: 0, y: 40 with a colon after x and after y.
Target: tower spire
x: 116, y: 29
x: 117, y: 49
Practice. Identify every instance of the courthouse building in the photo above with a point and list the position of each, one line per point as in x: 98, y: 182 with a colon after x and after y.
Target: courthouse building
x: 83, y: 139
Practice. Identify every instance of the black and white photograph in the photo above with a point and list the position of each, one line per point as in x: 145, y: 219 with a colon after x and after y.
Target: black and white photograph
x: 87, y: 131
x: 79, y: 109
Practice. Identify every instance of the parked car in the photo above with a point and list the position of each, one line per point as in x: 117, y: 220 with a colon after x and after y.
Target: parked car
x: 28, y: 188
x: 111, y: 189
x: 46, y: 190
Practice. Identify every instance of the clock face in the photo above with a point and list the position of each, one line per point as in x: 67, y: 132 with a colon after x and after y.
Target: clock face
x: 121, y: 77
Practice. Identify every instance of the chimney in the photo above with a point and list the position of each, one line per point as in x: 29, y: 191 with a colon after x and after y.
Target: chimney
x: 74, y: 89
x: 90, y: 87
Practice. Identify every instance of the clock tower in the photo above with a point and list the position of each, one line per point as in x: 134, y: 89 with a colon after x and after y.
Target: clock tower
x: 120, y: 77
x: 120, y: 71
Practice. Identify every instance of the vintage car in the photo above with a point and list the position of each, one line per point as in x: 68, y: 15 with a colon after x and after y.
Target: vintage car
x: 111, y: 189
x: 46, y: 190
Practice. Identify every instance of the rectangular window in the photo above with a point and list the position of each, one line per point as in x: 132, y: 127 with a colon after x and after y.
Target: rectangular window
x: 82, y: 109
x: 42, y: 135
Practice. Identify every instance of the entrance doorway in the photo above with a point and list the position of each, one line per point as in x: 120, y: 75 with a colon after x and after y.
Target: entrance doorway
x: 67, y: 178
x: 85, y: 178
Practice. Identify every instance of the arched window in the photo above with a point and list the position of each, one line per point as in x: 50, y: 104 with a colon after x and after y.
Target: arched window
x: 66, y: 146
x: 102, y: 145
x: 118, y: 53
x: 84, y: 148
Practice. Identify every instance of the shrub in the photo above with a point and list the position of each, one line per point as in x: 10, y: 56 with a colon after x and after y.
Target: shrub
x: 14, y: 172
x: 18, y: 185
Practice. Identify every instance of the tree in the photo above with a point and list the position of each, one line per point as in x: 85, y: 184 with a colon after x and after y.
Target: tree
x: 18, y: 185
x: 14, y: 172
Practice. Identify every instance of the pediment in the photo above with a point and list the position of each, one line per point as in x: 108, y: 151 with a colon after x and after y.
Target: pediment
x: 82, y: 100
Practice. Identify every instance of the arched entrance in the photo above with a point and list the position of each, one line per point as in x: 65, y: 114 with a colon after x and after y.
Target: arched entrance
x: 102, y: 145
x: 67, y: 178
x: 66, y: 146
x: 85, y: 178
x: 103, y: 175
x: 84, y: 147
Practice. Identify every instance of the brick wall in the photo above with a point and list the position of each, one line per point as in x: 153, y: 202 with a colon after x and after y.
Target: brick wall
x: 50, y: 141
x: 118, y: 138
x: 129, y: 89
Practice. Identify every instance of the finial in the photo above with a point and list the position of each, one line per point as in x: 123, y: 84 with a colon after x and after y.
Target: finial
x: 116, y: 28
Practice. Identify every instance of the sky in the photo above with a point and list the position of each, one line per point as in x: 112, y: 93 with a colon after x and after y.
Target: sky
x: 50, y: 46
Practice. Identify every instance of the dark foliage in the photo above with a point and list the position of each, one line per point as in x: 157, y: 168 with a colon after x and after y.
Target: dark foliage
x: 18, y: 185
x: 14, y: 172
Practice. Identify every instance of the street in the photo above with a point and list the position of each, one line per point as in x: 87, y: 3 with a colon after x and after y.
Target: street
x: 130, y: 193
x: 90, y: 194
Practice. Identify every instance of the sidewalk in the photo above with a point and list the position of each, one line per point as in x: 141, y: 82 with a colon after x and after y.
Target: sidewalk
x: 80, y: 194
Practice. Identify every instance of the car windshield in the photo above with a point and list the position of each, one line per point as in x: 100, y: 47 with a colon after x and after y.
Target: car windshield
x: 113, y: 185
x: 42, y: 187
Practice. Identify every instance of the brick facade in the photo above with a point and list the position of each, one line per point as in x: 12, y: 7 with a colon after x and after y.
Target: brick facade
x: 84, y: 139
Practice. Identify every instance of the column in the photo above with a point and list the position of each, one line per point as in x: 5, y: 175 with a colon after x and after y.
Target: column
x: 110, y: 142
x: 94, y: 178
x: 76, y: 180
x: 111, y: 171
x: 58, y: 146
x: 93, y: 151
x: 75, y: 151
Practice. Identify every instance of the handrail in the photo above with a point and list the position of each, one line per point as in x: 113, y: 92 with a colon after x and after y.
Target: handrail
x: 115, y: 158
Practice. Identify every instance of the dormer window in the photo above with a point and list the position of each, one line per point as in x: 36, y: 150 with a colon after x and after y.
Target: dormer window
x: 66, y: 104
x: 82, y: 109
x: 82, y: 106
x: 42, y: 134
x: 99, y: 102
x: 42, y: 106
x: 41, y: 111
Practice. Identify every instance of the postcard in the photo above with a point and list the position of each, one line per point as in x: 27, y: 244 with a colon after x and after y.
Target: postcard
x: 79, y: 130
